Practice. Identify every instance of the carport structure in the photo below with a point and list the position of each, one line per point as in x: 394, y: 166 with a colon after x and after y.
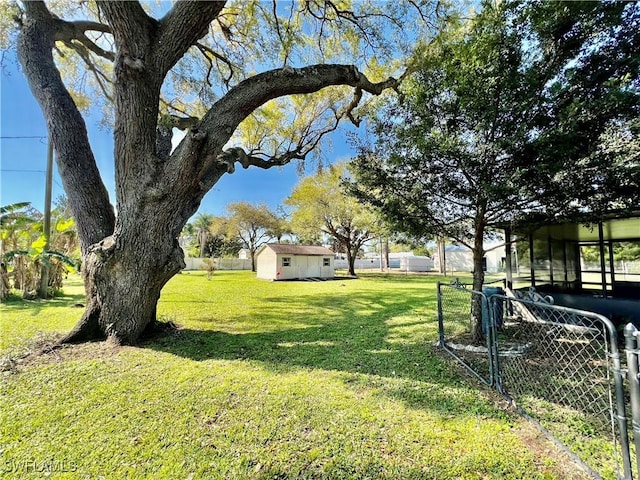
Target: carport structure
x: 552, y: 258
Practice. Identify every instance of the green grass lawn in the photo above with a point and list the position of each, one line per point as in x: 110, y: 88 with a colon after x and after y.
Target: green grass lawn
x: 336, y: 379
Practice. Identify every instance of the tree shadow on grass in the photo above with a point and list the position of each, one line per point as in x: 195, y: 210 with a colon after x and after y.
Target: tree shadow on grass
x: 365, y: 336
x: 35, y: 307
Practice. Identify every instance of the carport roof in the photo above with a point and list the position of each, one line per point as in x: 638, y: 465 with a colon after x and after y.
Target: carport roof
x: 617, y: 226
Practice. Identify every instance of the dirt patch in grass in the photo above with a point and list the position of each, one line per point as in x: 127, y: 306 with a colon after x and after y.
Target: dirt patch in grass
x: 550, y: 459
x: 47, y: 351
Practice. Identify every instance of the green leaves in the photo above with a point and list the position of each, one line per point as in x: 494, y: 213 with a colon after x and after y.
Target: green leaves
x: 524, y: 107
x: 322, y: 206
x: 38, y: 246
x: 64, y: 225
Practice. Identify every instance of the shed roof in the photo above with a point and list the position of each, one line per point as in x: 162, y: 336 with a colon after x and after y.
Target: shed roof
x: 288, y: 249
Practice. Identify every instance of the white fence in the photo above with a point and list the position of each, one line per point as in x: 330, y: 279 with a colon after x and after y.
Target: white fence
x: 361, y: 264
x: 406, y: 264
x: 219, y: 263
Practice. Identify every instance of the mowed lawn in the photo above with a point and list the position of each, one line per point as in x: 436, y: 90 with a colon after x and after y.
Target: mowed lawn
x: 287, y: 380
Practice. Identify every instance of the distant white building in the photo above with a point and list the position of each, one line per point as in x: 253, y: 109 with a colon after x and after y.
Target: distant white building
x: 276, y: 261
x: 459, y: 258
x: 244, y: 254
x: 415, y: 263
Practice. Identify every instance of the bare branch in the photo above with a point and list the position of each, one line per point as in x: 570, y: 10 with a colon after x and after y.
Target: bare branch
x: 247, y: 160
x: 101, y: 78
x: 274, y: 11
x: 226, y: 114
x: 95, y: 48
x: 207, y: 52
x: 170, y: 105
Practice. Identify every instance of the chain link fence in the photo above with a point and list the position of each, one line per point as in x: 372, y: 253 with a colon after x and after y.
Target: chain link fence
x: 456, y: 317
x: 557, y: 365
x: 560, y: 367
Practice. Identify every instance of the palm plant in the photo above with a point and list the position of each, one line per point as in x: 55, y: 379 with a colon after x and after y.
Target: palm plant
x: 24, y: 253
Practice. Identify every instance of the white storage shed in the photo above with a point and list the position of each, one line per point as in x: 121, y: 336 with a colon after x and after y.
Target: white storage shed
x: 276, y: 261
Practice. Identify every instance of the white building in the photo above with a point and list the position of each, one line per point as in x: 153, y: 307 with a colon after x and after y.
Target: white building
x: 276, y: 261
x: 415, y: 263
x: 459, y: 258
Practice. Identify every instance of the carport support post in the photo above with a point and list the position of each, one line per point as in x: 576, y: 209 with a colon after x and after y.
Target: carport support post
x: 603, y: 263
x: 532, y: 259
x: 631, y: 347
x: 507, y: 258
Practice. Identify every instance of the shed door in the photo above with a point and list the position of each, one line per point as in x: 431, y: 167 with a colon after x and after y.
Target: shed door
x: 308, y: 266
x: 314, y: 266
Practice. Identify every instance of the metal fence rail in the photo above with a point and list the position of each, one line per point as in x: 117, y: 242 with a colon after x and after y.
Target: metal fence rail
x: 559, y: 366
x: 632, y: 341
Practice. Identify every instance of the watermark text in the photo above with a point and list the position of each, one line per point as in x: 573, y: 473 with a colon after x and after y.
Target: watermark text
x: 31, y: 465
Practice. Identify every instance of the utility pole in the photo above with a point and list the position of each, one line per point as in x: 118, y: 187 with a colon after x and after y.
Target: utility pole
x: 442, y: 257
x: 46, y: 230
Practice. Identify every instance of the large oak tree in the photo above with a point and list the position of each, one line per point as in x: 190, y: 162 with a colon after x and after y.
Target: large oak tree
x: 526, y: 107
x: 193, y: 67
x: 322, y: 206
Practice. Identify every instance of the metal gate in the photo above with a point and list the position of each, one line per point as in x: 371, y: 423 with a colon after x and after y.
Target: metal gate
x: 560, y: 367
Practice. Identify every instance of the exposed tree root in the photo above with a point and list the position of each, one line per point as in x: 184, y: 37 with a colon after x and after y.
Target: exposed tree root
x: 88, y: 328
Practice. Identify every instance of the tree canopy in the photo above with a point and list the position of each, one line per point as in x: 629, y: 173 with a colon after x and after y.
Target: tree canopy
x: 485, y: 121
x: 255, y: 225
x: 322, y: 206
x: 509, y: 113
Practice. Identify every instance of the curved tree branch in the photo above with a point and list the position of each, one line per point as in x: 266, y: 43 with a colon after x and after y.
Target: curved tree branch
x: 87, y: 25
x: 69, y: 31
x: 219, y: 123
x: 250, y: 94
x: 87, y: 194
x: 237, y: 154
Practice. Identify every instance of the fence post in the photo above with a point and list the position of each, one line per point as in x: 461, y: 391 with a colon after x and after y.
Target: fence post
x: 493, y: 342
x: 631, y: 347
x: 618, y: 375
x: 440, y: 320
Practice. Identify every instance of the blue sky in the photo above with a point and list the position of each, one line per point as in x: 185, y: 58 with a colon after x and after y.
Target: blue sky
x: 23, y: 160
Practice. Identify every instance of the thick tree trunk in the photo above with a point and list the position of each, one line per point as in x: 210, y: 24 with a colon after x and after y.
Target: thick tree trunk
x: 127, y: 261
x: 351, y: 261
x: 124, y: 275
